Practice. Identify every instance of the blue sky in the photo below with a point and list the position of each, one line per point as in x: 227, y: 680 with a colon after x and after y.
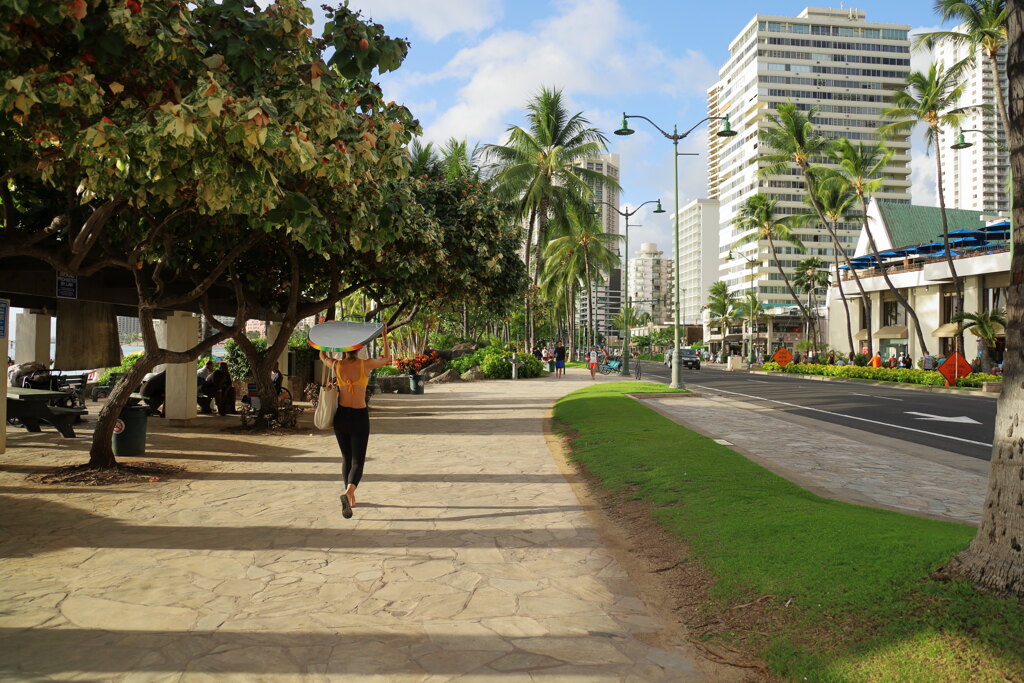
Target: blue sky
x: 474, y: 63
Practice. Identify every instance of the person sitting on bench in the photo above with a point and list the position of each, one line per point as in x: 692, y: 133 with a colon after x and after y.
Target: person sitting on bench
x: 155, y: 392
x: 218, y: 385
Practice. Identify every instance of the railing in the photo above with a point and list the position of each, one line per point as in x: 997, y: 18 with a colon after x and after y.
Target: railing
x: 919, y: 263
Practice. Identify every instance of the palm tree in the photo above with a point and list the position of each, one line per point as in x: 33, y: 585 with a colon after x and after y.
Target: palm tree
x: 982, y: 25
x: 750, y: 309
x: 810, y: 276
x: 790, y: 138
x: 987, y: 325
x: 459, y: 161
x: 931, y: 98
x: 860, y: 168
x: 630, y: 317
x: 721, y: 305
x: 423, y: 160
x: 757, y: 218
x: 836, y: 203
x: 584, y: 249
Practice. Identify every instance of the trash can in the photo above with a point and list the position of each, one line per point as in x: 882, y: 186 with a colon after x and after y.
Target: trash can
x: 551, y: 366
x: 416, y: 384
x: 130, y: 431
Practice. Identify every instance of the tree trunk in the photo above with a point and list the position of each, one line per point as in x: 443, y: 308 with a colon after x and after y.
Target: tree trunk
x: 846, y: 305
x: 995, y: 558
x: 590, y: 302
x: 101, y: 452
x: 885, y: 276
x: 993, y: 63
x: 957, y: 282
x: 785, y: 279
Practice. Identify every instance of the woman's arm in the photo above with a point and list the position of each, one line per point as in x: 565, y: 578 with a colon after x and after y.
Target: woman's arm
x: 378, y: 362
x: 326, y: 360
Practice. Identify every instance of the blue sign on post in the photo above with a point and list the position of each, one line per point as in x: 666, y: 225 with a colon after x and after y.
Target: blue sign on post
x: 4, y: 312
x: 67, y: 286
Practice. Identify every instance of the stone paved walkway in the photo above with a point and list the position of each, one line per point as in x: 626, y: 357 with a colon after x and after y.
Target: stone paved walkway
x: 841, y: 463
x: 469, y: 558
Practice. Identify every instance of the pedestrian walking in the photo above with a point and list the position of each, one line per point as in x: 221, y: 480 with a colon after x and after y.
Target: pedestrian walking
x: 352, y: 420
x: 592, y: 362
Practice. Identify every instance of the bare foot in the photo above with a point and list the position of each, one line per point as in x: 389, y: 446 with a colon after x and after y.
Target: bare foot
x: 351, y: 495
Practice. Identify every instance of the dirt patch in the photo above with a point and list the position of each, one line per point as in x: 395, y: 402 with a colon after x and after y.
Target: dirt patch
x: 674, y: 585
x: 119, y: 474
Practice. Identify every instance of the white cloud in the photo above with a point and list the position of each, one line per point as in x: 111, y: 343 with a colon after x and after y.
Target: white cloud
x: 434, y: 19
x: 590, y: 48
x: 922, y: 58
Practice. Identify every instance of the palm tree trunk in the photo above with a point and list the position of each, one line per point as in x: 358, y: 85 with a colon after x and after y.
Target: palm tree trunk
x: 590, y: 303
x: 785, y: 279
x: 846, y: 305
x: 993, y: 62
x: 885, y: 276
x: 846, y: 259
x: 957, y: 282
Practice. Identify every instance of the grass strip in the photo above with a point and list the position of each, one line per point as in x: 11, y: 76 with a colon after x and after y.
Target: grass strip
x: 865, y: 609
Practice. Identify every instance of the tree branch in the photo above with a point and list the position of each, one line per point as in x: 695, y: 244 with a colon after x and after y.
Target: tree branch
x: 213, y: 276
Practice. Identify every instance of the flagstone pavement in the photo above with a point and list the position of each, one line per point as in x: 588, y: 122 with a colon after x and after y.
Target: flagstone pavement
x: 469, y: 557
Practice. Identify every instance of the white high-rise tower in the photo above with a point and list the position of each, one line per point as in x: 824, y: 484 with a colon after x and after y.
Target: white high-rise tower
x: 607, y: 295
x: 831, y: 59
x: 975, y: 178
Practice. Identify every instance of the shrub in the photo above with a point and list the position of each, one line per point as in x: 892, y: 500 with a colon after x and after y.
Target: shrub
x: 124, y: 367
x: 494, y: 366
x: 531, y: 367
x: 388, y: 370
x: 900, y: 375
x: 976, y: 378
x: 414, y: 364
x: 861, y: 360
x: 443, y: 340
x: 238, y: 365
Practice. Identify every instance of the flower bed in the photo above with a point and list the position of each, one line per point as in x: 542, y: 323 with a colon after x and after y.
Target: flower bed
x: 930, y: 378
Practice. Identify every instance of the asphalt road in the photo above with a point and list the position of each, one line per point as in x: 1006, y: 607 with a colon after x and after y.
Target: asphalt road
x: 949, y: 422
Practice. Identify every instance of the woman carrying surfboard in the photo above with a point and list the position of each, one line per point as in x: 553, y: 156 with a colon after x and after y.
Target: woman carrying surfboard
x: 352, y: 419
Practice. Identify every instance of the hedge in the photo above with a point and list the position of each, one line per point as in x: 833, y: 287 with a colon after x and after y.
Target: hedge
x: 930, y: 378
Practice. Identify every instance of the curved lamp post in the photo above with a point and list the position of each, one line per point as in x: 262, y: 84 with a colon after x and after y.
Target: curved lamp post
x: 675, y: 136
x: 624, y: 368
x: 962, y: 143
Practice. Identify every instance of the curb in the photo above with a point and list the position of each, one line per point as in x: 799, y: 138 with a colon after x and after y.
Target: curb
x: 893, y: 385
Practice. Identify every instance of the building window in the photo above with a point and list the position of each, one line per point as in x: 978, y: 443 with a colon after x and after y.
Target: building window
x: 893, y: 313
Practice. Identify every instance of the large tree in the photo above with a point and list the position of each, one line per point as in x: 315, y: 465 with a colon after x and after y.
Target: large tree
x: 980, y: 27
x: 930, y: 97
x: 995, y: 558
x: 542, y: 167
x: 790, y: 138
x: 177, y: 136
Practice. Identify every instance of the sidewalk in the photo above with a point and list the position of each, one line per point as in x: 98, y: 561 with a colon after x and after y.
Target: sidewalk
x: 469, y: 558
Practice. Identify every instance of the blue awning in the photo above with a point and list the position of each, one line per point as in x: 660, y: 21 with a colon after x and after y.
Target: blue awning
x: 927, y: 248
x: 998, y: 225
x: 968, y: 233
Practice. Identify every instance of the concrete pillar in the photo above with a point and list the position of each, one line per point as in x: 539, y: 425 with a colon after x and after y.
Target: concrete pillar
x: 273, y: 330
x: 181, y: 330
x: 33, y: 342
x: 5, y: 324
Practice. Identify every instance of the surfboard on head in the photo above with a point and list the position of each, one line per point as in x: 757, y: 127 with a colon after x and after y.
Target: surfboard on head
x: 339, y: 336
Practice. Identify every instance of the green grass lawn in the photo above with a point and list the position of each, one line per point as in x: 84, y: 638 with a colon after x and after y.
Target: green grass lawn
x: 863, y: 606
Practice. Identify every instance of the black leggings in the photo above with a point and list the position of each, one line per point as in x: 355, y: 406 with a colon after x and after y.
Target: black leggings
x: 352, y: 429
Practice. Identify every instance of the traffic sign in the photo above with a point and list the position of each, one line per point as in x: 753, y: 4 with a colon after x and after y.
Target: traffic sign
x: 118, y: 426
x: 956, y: 366
x: 783, y: 357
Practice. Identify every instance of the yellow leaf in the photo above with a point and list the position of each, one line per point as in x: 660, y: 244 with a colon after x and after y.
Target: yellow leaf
x: 116, y: 88
x: 15, y: 83
x: 315, y: 83
x: 23, y: 103
x: 215, y: 104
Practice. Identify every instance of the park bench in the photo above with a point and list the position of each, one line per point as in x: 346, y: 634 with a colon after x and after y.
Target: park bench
x: 30, y: 407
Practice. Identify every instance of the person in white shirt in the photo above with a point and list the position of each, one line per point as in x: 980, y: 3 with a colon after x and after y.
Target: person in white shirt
x: 592, y: 362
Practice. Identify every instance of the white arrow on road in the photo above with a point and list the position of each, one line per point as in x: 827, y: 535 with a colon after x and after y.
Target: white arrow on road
x: 963, y: 419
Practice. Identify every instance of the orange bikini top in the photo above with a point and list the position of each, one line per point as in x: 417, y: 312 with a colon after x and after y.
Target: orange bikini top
x: 351, y: 385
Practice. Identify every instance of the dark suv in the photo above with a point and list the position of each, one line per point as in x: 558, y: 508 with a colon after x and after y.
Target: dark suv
x: 689, y: 358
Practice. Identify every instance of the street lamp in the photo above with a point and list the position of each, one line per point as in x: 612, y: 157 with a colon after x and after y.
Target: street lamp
x: 627, y: 318
x: 750, y: 304
x: 675, y: 136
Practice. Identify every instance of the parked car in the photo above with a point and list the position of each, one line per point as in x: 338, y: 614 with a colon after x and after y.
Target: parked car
x: 688, y: 357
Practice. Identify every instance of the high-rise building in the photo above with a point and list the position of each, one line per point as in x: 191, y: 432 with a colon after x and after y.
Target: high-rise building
x: 831, y: 59
x: 698, y: 256
x: 975, y: 178
x: 607, y: 294
x: 650, y: 283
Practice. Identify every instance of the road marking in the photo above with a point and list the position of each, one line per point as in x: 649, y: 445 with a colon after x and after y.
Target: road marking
x: 962, y: 419
x: 759, y: 381
x: 849, y: 417
x: 884, y: 398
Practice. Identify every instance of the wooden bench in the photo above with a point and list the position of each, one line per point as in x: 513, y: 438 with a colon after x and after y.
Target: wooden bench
x: 31, y: 413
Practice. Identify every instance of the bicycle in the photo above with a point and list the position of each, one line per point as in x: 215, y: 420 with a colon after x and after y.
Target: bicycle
x: 609, y: 366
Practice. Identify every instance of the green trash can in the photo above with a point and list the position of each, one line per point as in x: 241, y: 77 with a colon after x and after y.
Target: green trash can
x: 416, y: 384
x: 130, y: 431
x: 551, y: 366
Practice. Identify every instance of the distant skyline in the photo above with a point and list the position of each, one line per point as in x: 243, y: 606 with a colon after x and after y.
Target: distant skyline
x: 474, y: 64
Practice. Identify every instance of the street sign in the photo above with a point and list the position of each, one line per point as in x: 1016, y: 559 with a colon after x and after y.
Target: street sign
x: 783, y: 357
x: 67, y: 286
x: 956, y: 366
